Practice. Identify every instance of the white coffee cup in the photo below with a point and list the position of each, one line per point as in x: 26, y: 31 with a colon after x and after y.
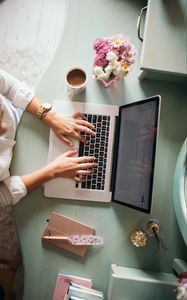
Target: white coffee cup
x: 76, y: 79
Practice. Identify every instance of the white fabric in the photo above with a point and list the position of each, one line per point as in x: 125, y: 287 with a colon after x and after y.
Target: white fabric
x: 13, y: 94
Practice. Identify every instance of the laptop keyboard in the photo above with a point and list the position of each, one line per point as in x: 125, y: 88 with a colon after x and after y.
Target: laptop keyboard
x: 97, y: 146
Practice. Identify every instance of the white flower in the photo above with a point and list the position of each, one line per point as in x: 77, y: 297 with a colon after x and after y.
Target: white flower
x: 108, y: 70
x: 121, y: 70
x: 113, y: 64
x: 97, y: 71
x: 111, y: 56
x: 102, y: 76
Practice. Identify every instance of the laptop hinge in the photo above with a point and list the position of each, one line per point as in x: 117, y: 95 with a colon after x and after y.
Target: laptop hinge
x: 115, y: 154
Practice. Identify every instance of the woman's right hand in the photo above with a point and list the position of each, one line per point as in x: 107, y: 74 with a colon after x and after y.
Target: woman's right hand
x: 75, y: 168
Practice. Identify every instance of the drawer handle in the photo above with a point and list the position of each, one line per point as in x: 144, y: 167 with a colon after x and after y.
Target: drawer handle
x: 139, y: 22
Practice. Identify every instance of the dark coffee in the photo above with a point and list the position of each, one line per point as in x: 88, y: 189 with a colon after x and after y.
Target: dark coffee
x: 76, y: 77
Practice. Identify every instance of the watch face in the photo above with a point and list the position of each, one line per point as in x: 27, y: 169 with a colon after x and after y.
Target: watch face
x: 46, y: 105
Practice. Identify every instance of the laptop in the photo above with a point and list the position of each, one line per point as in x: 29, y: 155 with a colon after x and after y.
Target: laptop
x: 125, y: 148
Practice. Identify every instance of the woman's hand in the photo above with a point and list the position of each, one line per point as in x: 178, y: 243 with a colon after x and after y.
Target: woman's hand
x: 67, y: 127
x: 65, y: 166
x: 75, y: 168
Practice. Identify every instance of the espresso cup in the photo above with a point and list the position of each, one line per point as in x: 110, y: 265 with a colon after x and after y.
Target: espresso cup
x: 76, y: 79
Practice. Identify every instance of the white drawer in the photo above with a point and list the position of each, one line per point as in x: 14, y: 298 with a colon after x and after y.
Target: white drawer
x: 164, y: 47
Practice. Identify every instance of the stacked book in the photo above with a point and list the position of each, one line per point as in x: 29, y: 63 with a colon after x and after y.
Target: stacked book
x: 80, y: 292
x: 70, y: 287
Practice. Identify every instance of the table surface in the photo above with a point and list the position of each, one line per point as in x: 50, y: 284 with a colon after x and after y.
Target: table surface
x: 87, y: 20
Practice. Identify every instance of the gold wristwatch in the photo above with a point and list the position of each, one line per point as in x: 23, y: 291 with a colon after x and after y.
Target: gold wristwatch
x: 43, y: 110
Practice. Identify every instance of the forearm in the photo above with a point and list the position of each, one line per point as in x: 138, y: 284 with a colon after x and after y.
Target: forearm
x: 36, y: 178
x: 33, y: 105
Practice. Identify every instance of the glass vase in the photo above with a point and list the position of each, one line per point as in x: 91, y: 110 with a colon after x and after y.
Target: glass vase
x: 110, y: 81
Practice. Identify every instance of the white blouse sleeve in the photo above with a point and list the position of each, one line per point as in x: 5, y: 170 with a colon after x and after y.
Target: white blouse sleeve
x: 16, y: 91
x: 12, y: 189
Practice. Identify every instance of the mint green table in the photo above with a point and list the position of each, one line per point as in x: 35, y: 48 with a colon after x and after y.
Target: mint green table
x: 87, y: 20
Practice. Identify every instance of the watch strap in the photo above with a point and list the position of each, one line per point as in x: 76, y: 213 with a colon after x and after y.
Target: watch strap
x: 42, y: 111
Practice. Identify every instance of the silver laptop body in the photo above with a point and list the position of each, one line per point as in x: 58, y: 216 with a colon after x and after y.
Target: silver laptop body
x: 125, y: 147
x: 66, y: 188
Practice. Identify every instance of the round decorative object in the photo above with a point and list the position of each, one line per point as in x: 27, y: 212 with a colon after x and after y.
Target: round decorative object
x: 151, y: 226
x: 138, y: 238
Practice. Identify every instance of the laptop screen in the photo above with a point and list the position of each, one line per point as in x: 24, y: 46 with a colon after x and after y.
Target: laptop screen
x: 135, y: 159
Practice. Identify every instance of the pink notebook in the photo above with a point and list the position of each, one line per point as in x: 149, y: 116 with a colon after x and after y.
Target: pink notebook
x: 60, y: 225
x: 62, y: 284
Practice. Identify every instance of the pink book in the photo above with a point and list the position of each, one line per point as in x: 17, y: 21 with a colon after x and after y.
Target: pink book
x: 60, y: 225
x: 63, y: 282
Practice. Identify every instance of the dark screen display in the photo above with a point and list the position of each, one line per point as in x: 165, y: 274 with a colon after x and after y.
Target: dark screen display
x: 138, y: 123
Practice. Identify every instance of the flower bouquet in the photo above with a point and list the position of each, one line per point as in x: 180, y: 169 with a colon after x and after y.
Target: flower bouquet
x: 114, y: 55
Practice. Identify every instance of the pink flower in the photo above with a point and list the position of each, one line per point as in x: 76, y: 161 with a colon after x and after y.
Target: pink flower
x: 101, y: 46
x: 119, y: 41
x: 100, y: 60
x: 130, y: 55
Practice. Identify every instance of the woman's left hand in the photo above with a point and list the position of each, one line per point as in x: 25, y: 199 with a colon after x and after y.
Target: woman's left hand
x: 67, y: 127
